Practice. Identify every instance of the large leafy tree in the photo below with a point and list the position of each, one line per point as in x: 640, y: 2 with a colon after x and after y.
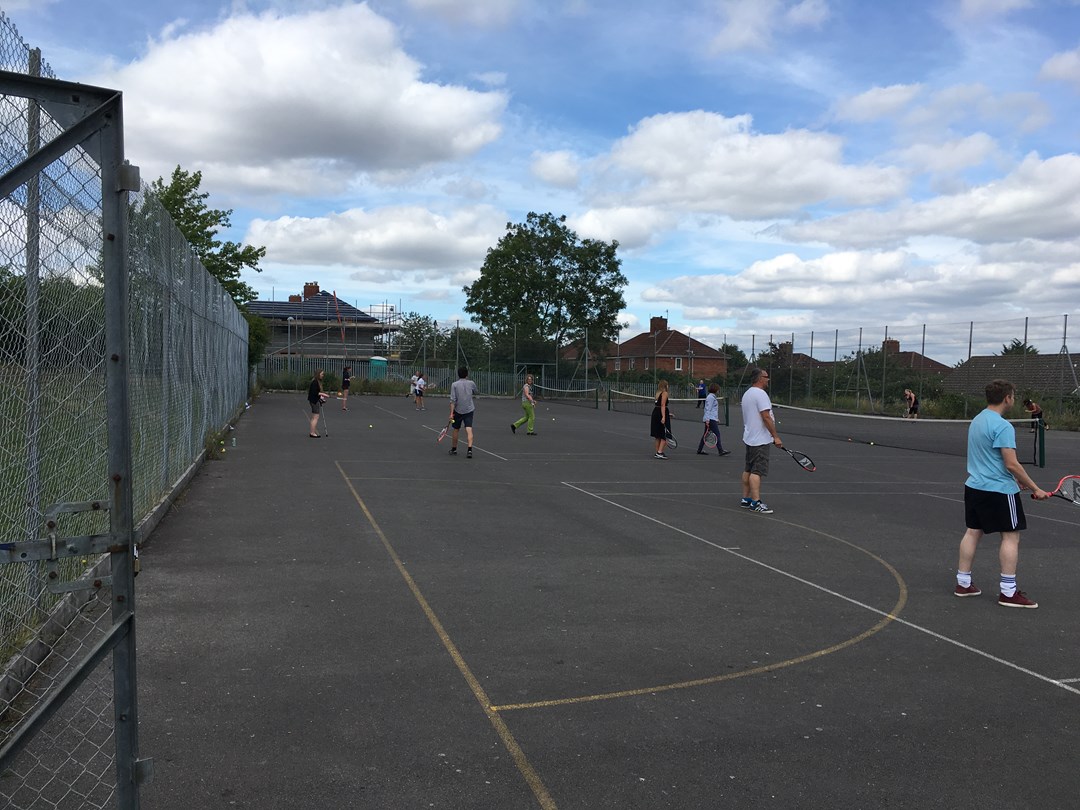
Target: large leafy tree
x: 549, y: 284
x: 200, y: 225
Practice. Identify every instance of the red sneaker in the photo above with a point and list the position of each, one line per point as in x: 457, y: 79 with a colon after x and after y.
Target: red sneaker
x: 1018, y: 599
x: 970, y: 590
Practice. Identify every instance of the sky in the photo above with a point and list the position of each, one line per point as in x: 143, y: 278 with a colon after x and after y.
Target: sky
x: 768, y: 167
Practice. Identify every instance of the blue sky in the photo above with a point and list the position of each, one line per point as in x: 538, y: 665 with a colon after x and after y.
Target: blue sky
x: 768, y: 167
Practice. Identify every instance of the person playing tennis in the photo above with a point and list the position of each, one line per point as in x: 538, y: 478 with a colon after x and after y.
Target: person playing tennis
x: 711, y: 418
x: 992, y: 500
x: 528, y: 404
x: 912, y: 404
x: 759, y: 434
x: 462, y: 408
x: 316, y: 398
x: 658, y: 421
x: 346, y: 381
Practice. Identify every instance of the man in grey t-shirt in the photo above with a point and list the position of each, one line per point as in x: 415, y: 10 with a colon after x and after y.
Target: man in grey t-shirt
x: 462, y: 408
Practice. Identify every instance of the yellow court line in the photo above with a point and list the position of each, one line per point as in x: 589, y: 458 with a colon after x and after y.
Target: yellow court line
x: 887, y: 618
x: 532, y: 778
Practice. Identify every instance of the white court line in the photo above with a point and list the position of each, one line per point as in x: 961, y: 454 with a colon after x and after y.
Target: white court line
x: 476, y: 447
x: 392, y: 413
x: 1060, y: 684
x: 1027, y: 513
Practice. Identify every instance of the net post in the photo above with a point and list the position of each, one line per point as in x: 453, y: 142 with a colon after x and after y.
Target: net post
x: 1040, y: 444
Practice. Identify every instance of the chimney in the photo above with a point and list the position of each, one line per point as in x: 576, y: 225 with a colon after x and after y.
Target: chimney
x: 295, y: 299
x: 311, y: 289
x: 657, y: 324
x: 890, y: 346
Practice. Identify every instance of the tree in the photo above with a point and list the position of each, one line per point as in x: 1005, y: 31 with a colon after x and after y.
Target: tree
x: 1018, y: 347
x: 736, y: 356
x: 200, y: 225
x: 414, y: 337
x: 472, y: 343
x: 551, y: 285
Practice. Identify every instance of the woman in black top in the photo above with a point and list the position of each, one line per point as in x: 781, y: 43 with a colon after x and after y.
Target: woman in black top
x: 315, y: 398
x: 659, y: 419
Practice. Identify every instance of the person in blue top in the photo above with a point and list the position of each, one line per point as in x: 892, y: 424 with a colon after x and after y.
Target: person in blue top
x: 700, y: 394
x: 992, y: 501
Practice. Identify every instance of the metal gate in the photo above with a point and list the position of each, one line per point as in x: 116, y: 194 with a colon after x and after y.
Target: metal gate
x: 67, y: 542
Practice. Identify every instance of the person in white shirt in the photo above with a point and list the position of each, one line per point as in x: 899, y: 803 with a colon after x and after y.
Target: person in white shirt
x: 759, y: 434
x: 421, y: 384
x: 412, y: 386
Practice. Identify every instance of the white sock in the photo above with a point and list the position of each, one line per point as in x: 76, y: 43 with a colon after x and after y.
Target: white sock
x: 1008, y: 585
x: 963, y: 579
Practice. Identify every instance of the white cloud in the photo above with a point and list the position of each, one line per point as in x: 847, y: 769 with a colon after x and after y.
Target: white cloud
x: 877, y: 103
x: 751, y: 24
x: 701, y: 161
x: 632, y: 227
x: 561, y: 169
x: 267, y: 99
x: 1063, y: 67
x: 392, y: 242
x: 991, y: 8
x: 1039, y: 200
x: 951, y: 156
x: 472, y: 12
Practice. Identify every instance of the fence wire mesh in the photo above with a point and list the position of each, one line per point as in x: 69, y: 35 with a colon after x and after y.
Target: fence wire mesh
x: 187, y: 378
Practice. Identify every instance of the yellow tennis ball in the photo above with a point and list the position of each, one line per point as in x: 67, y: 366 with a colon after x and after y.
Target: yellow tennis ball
x: 370, y: 426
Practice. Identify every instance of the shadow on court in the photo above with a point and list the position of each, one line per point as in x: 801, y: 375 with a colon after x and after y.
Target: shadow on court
x: 563, y: 621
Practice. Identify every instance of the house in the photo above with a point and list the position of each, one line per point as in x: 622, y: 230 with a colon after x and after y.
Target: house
x: 666, y: 349
x: 918, y: 363
x: 1032, y: 374
x: 319, y: 324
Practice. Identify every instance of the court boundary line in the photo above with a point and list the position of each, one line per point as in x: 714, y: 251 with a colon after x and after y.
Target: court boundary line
x: 525, y: 768
x: 1060, y: 684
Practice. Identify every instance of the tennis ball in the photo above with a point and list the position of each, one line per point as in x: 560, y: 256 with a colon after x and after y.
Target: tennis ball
x: 871, y: 444
x: 370, y: 426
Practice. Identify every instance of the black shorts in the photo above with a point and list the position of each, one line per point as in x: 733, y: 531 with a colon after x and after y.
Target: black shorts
x: 463, y: 419
x: 757, y: 460
x: 992, y: 512
x: 316, y: 407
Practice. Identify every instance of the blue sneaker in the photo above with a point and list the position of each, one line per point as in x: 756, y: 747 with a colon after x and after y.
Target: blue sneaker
x: 746, y: 503
x: 761, y: 508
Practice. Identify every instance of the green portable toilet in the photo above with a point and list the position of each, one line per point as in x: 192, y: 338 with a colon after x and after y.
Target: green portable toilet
x: 377, y: 368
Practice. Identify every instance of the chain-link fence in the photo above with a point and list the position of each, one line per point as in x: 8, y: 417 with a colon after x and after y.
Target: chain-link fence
x: 121, y: 359
x: 946, y: 365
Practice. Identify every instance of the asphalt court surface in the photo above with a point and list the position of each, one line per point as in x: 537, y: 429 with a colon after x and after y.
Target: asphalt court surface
x: 564, y: 621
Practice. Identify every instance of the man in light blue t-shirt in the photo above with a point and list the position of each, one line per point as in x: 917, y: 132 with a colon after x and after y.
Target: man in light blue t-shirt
x: 992, y: 500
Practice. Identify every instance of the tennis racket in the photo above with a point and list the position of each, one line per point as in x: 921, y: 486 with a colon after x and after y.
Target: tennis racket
x: 442, y: 433
x: 801, y: 459
x: 710, y: 439
x: 672, y: 442
x: 1068, y: 489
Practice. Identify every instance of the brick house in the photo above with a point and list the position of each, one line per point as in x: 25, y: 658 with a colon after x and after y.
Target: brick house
x: 318, y: 324
x: 666, y: 349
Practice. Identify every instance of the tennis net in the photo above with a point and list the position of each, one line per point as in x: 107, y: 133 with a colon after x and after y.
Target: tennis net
x: 944, y: 436
x: 581, y: 397
x: 688, y: 409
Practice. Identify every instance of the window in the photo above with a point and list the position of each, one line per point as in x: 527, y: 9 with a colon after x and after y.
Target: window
x: 678, y: 364
x: 618, y: 364
x: 631, y: 363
